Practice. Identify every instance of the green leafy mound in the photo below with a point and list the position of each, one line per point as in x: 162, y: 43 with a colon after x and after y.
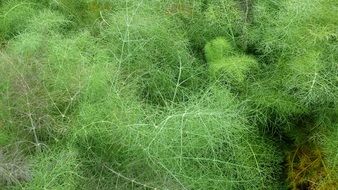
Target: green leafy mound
x: 218, y: 49
x: 155, y: 53
x: 309, y: 78
x: 303, y: 49
x: 28, y: 75
x: 227, y: 64
x: 300, y: 53
x: 206, y: 144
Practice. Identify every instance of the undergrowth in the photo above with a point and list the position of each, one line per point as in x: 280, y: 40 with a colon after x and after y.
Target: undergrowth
x: 158, y: 94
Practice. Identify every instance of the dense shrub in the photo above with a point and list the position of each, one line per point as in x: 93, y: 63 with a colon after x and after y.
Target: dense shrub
x: 193, y: 94
x: 154, y: 53
x: 207, y: 144
x: 205, y: 20
x: 303, y: 49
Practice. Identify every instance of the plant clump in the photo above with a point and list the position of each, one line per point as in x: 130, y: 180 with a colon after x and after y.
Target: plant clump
x: 226, y: 63
x: 170, y: 94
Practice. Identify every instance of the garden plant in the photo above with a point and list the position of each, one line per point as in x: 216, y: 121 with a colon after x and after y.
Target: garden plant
x: 169, y: 94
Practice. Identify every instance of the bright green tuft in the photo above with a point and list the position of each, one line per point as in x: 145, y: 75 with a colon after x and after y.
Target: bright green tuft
x: 218, y: 49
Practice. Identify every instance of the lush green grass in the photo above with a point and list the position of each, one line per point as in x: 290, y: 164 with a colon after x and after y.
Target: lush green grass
x: 159, y: 94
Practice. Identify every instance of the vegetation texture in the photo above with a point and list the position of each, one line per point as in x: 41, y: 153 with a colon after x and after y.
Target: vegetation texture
x: 168, y: 94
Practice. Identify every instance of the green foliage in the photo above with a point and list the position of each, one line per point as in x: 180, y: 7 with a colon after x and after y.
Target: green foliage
x: 14, y: 15
x: 294, y: 27
x: 205, y: 20
x: 329, y: 144
x: 210, y: 129
x: 303, y: 47
x: 13, y: 166
x: 4, y: 137
x: 296, y: 39
x: 48, y: 22
x: 327, y: 139
x: 310, y: 79
x: 193, y: 94
x: 28, y: 97
x: 155, y: 54
x: 206, y: 144
x: 218, y: 49
x: 84, y: 12
x: 226, y: 64
x: 54, y: 169
x: 234, y: 69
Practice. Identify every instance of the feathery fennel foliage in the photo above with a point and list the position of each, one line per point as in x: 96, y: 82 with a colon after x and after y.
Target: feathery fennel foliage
x: 197, y: 146
x: 14, y: 15
x: 154, y: 53
x: 192, y: 94
x: 226, y: 64
x: 54, y: 169
x: 303, y: 49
